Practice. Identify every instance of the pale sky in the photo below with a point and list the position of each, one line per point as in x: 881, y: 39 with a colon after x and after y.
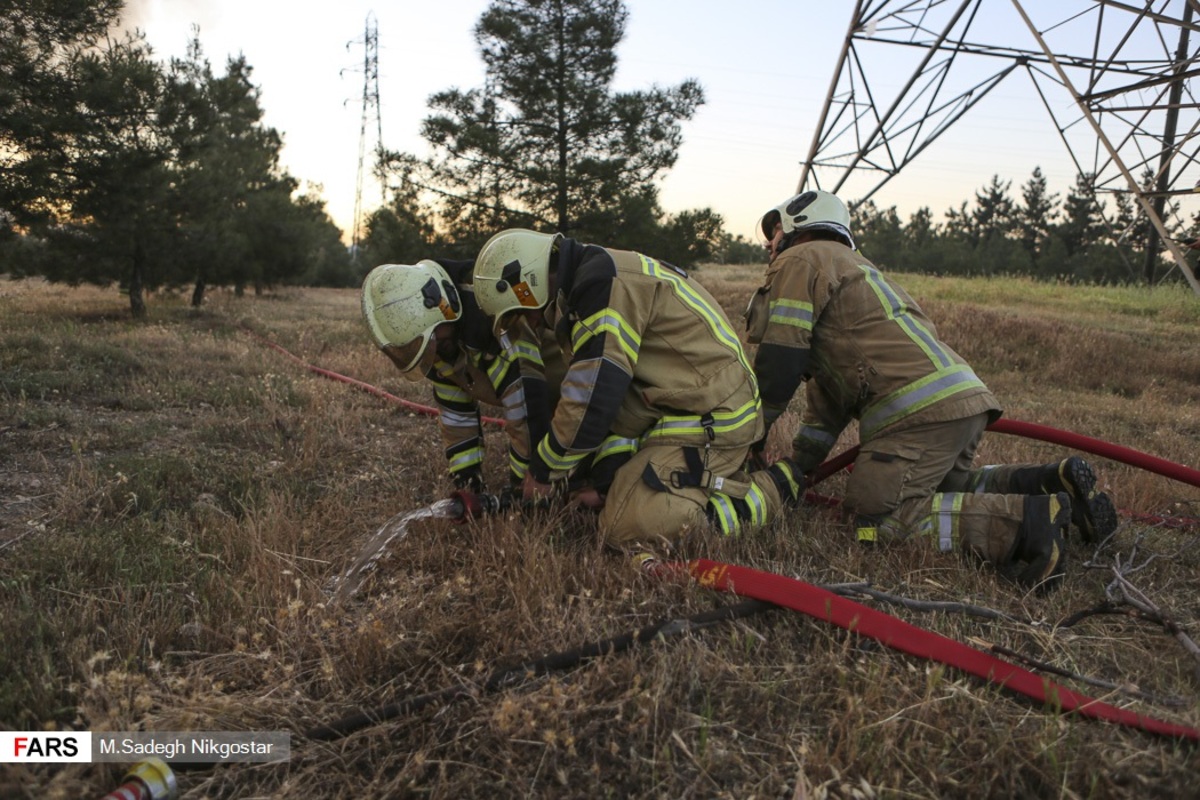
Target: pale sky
x: 765, y: 68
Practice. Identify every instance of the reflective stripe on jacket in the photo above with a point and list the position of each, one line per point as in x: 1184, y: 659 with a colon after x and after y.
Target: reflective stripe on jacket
x: 872, y: 353
x: 651, y: 356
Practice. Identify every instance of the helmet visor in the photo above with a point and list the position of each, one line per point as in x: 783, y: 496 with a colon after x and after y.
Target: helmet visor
x: 407, y: 356
x: 507, y: 321
x: 766, y: 226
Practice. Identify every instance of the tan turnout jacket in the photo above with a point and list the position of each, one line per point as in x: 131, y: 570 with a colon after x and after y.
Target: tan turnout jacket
x: 867, y: 350
x: 651, y: 356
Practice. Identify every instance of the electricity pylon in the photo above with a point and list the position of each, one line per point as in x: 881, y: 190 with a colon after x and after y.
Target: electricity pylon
x: 370, y: 111
x: 1113, y: 77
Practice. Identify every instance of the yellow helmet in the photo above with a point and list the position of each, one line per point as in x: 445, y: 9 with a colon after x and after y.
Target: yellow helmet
x: 512, y: 273
x: 809, y: 211
x: 402, y: 305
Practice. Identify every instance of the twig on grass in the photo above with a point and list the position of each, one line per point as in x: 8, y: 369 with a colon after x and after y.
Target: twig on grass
x: 1134, y: 597
x: 1170, y: 701
x: 17, y: 538
x: 931, y: 605
x: 989, y: 613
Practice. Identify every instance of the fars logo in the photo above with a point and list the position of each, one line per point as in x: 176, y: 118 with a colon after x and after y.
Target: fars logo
x: 46, y: 747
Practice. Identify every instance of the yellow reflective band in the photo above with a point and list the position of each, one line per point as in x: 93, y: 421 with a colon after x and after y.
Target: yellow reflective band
x: 555, y: 462
x: 897, y: 311
x: 450, y: 393
x: 757, y: 504
x: 867, y: 534
x: 715, y: 318
x: 722, y: 422
x: 917, y: 395
x: 497, y: 370
x: 517, y: 465
x: 796, y: 313
x: 726, y: 517
x: 468, y: 459
x: 607, y: 320
x: 793, y: 485
x: 614, y: 445
x: 946, y: 507
x: 527, y: 350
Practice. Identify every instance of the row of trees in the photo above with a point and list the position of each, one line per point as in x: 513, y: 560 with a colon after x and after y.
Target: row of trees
x: 545, y: 144
x: 1079, y: 238
x: 114, y: 167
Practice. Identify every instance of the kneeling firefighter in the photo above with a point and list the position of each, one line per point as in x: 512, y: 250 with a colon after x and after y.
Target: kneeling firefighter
x: 655, y: 373
x: 425, y: 319
x: 829, y: 317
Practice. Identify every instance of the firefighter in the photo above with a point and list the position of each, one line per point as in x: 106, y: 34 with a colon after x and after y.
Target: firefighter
x: 654, y: 368
x: 425, y: 319
x: 828, y: 316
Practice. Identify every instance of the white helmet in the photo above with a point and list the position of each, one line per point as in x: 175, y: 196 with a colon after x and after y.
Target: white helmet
x: 809, y: 211
x: 512, y: 273
x: 403, y: 304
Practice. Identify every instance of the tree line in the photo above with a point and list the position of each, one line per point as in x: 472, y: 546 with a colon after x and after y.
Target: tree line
x: 545, y: 143
x: 1079, y: 238
x: 118, y: 168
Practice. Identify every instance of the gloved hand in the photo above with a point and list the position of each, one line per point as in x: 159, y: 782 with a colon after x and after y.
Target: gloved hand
x: 756, y: 459
x: 804, y: 461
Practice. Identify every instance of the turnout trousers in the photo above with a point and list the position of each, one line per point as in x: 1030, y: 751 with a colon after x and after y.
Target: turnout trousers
x: 659, y: 495
x: 920, y: 481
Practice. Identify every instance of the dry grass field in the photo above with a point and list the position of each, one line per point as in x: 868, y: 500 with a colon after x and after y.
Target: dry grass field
x: 175, y: 497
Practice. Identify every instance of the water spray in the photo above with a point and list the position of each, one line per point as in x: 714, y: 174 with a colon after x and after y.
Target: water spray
x: 460, y: 507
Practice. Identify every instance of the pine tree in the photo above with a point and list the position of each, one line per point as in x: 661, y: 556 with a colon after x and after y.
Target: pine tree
x: 223, y: 157
x: 38, y: 43
x: 115, y: 223
x: 1081, y: 226
x: 994, y: 213
x: 1036, y: 216
x: 545, y: 142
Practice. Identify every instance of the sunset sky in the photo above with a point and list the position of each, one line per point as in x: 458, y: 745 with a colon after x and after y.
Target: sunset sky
x: 765, y: 68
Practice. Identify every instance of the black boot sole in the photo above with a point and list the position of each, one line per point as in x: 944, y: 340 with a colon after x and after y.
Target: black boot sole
x: 1092, y: 512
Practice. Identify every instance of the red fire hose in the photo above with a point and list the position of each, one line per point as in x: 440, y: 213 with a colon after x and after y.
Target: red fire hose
x: 894, y: 632
x: 366, y: 387
x: 1115, y: 452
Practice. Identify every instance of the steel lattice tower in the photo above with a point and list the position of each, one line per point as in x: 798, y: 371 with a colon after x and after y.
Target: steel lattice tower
x: 370, y: 111
x: 1112, y: 76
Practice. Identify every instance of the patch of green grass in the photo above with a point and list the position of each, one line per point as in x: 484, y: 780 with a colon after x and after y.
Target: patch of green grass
x: 108, y: 587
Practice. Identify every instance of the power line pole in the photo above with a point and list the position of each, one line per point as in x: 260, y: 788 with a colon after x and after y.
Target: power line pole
x: 1125, y: 68
x: 370, y: 110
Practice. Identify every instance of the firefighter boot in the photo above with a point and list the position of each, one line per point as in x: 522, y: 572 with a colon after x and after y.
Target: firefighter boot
x: 1092, y: 512
x: 1041, y: 542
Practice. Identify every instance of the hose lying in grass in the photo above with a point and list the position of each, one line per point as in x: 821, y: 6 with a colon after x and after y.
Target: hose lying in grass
x: 897, y: 634
x: 930, y: 645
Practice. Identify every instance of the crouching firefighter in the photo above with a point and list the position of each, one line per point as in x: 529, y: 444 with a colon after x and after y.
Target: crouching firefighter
x: 425, y: 319
x: 826, y: 315
x: 653, y: 364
